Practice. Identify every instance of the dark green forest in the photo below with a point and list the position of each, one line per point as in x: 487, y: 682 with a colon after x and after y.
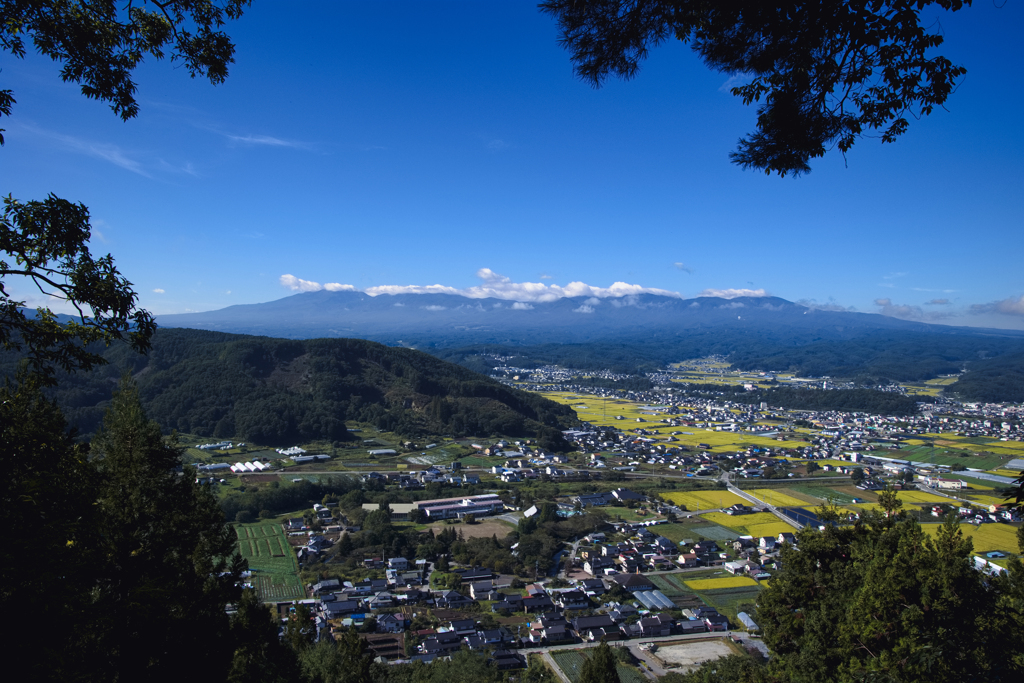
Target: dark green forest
x: 892, y: 355
x: 278, y: 391
x: 995, y: 380
x: 793, y: 398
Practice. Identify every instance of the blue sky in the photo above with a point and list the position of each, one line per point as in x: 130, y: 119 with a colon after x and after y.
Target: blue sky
x: 393, y: 144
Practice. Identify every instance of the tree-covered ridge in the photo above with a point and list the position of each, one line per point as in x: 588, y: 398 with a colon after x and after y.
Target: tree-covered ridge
x: 275, y: 391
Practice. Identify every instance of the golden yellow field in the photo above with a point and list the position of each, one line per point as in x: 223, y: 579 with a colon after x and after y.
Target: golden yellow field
x: 728, y: 582
x: 772, y: 529
x: 921, y: 497
x: 986, y: 537
x: 757, y: 524
x: 982, y: 499
x: 703, y: 500
x: 739, y: 521
x: 777, y: 498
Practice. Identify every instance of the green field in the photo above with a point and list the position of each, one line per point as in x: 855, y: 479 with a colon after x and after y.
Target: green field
x: 571, y: 664
x: 271, y: 560
x: 824, y: 492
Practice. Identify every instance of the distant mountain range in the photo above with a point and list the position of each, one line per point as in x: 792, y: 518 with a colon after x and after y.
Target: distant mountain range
x: 643, y: 333
x: 446, y: 320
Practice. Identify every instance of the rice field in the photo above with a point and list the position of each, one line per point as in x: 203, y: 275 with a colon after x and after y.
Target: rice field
x: 770, y: 529
x: 777, y: 497
x: 703, y: 500
x: 716, y: 584
x: 757, y: 524
x: 981, y: 499
x: 986, y: 537
x: 921, y: 497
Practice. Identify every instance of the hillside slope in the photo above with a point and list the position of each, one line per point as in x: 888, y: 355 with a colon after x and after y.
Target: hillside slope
x: 279, y: 391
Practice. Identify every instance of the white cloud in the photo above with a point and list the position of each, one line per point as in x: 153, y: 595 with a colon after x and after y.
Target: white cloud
x: 545, y: 277
x: 299, y: 285
x: 266, y: 141
x: 679, y: 265
x: 497, y: 286
x: 434, y: 308
x: 908, y: 312
x: 99, y: 150
x: 893, y: 276
x: 583, y: 309
x: 733, y: 293
x: 1008, y: 306
x: 158, y: 291
x: 522, y: 306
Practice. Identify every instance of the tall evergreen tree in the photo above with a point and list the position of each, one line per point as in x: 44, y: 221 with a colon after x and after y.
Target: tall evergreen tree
x: 168, y: 563
x: 259, y: 655
x: 600, y: 666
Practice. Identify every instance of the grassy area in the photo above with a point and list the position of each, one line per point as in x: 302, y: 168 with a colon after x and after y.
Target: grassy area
x: 822, y: 493
x: 272, y: 561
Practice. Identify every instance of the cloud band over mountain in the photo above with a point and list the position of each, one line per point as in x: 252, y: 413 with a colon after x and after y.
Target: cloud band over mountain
x: 494, y: 286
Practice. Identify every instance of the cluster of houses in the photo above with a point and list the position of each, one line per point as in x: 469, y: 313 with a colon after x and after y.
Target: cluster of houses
x: 994, y: 513
x: 555, y: 616
x: 414, y: 481
x: 644, y: 551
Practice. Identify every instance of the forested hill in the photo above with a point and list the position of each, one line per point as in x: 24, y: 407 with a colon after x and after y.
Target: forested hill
x: 280, y: 391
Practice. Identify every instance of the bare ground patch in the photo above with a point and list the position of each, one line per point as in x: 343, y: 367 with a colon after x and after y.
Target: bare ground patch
x: 482, y: 529
x: 690, y: 655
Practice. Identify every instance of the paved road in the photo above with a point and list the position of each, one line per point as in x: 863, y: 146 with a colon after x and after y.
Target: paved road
x: 656, y: 639
x: 554, y: 667
x: 771, y: 508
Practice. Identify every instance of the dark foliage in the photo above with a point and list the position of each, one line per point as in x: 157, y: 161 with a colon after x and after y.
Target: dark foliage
x: 849, y: 400
x: 824, y: 72
x: 994, y: 380
x: 277, y: 391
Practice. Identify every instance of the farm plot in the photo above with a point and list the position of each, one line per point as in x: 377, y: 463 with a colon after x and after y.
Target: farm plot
x: 724, y: 582
x: 571, y: 664
x: 703, y: 500
x: 275, y: 569
x: 278, y: 587
x: 732, y: 601
x: 980, y: 499
x: 986, y: 537
x: 822, y: 493
x: 777, y: 497
x: 667, y: 584
x: 757, y: 524
x: 921, y: 498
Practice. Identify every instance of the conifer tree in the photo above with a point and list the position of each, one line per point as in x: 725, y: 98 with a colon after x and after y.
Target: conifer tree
x: 600, y: 666
x: 167, y: 562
